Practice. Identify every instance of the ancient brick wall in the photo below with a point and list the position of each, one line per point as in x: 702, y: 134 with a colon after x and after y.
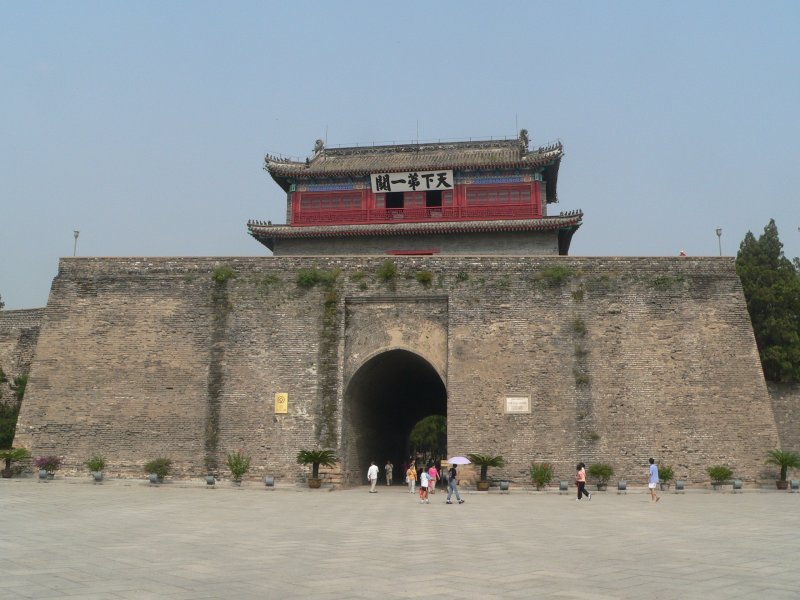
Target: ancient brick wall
x: 19, y: 331
x: 786, y: 406
x: 621, y: 359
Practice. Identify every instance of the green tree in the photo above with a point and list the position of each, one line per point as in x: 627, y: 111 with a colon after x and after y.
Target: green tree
x: 772, y: 290
x: 429, y: 435
x: 9, y: 409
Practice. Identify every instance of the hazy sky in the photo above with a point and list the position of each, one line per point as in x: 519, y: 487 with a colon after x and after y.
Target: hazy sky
x: 144, y: 124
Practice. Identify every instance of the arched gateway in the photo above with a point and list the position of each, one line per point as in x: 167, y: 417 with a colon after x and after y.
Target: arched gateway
x: 383, y: 401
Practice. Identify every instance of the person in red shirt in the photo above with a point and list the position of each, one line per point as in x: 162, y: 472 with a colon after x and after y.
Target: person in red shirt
x: 580, y: 481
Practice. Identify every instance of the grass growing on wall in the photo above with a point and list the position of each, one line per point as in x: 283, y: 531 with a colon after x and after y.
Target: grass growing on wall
x: 424, y: 277
x: 223, y: 273
x: 220, y: 309
x: 556, y: 274
x: 308, y: 278
x: 387, y: 270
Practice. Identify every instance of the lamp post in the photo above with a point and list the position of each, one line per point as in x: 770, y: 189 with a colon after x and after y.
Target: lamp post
x: 719, y: 239
x: 76, y: 233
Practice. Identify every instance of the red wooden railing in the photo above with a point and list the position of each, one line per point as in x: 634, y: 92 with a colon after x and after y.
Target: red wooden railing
x: 416, y: 215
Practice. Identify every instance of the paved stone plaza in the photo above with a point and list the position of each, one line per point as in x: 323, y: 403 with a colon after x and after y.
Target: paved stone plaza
x: 69, y: 538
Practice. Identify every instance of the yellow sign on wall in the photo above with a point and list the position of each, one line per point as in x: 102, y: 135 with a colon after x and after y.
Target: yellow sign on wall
x: 281, y: 403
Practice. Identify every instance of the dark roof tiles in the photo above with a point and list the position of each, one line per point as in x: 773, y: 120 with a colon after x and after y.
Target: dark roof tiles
x: 418, y: 157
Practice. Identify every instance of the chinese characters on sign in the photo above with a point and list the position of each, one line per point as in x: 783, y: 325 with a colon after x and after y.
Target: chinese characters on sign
x: 281, y: 403
x: 415, y: 181
x: 515, y: 405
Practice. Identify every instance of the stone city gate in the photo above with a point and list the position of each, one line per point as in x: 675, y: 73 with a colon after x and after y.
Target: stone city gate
x: 394, y: 375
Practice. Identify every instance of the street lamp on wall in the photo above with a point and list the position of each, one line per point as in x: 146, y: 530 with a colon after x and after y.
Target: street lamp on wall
x: 719, y: 239
x: 76, y: 233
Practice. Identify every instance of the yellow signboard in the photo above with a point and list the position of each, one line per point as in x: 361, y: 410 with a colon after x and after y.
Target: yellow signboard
x: 281, y: 403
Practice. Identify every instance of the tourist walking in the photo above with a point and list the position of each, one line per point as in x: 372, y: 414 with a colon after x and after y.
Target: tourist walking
x: 388, y: 469
x: 411, y: 478
x: 652, y: 481
x: 580, y: 481
x: 433, y: 477
x: 423, y: 487
x: 372, y: 476
x: 452, y: 487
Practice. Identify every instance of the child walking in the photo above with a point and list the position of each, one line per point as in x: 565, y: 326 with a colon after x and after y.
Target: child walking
x: 423, y: 487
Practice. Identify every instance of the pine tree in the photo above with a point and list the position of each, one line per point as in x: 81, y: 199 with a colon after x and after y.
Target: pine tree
x: 771, y: 285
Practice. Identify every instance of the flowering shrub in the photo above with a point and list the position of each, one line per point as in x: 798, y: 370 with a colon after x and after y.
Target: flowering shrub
x: 542, y: 474
x: 48, y: 463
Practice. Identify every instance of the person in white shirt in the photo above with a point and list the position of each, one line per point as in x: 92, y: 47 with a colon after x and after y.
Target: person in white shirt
x: 423, y: 486
x: 372, y: 476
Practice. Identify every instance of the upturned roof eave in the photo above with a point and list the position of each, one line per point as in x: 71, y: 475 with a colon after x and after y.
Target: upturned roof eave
x: 263, y: 231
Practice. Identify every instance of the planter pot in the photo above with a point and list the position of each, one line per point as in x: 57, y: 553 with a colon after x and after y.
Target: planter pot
x: 6, y: 473
x: 664, y: 487
x: 44, y: 475
x: 483, y: 486
x: 315, y: 483
x: 97, y: 476
x: 718, y: 486
x: 602, y: 487
x: 783, y: 484
x: 210, y: 480
x: 154, y: 479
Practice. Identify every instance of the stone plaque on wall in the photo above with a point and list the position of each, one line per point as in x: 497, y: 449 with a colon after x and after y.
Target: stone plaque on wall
x: 517, y: 405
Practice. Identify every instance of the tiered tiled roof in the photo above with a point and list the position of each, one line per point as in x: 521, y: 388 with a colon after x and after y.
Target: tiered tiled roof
x: 266, y: 233
x: 332, y: 163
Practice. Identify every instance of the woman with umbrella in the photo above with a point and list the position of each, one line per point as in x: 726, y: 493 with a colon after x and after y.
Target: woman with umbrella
x: 452, y: 486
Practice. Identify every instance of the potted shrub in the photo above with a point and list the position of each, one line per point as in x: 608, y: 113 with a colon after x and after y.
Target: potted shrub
x: 484, y: 461
x: 239, y: 464
x: 96, y: 464
x: 542, y: 474
x: 315, y: 458
x: 602, y: 472
x: 785, y: 460
x: 159, y: 467
x: 665, y: 474
x: 48, y: 464
x: 720, y: 475
x: 11, y: 456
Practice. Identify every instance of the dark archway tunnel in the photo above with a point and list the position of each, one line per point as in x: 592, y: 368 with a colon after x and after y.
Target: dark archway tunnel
x: 385, y: 398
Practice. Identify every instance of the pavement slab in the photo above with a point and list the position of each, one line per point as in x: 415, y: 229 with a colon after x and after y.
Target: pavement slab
x: 126, y: 539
